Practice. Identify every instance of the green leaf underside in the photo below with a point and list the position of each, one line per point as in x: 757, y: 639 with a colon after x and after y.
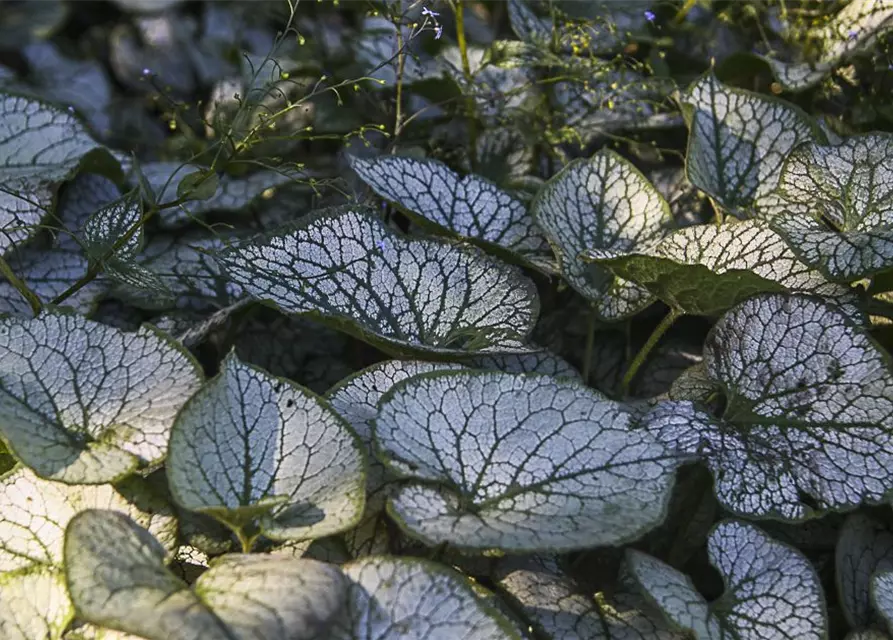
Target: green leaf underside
x: 34, y: 604
x: 706, y: 270
x: 116, y: 578
x: 469, y: 206
x: 738, y: 141
x: 415, y: 599
x: 834, y: 206
x: 356, y: 400
x: 232, y: 194
x: 561, y: 610
x: 40, y: 146
x: 526, y: 463
x: 864, y: 547
x: 855, y: 28
x: 403, y: 295
x: 251, y: 446
x: 34, y: 513
x: 772, y: 591
x: 601, y: 203
x: 809, y: 403
x: 84, y: 403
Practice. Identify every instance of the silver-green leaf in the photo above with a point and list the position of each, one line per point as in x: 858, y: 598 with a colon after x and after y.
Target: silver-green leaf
x: 34, y: 604
x: 808, y: 410
x: 524, y: 463
x: 772, y: 591
x: 601, y: 203
x: 249, y: 447
x: 116, y: 578
x: 403, y: 295
x: 864, y: 547
x: 738, y: 141
x: 834, y: 206
x: 470, y: 207
x: 84, y: 403
x: 415, y: 599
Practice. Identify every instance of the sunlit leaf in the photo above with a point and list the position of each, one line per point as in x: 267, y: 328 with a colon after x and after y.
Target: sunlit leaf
x: 805, y: 404
x: 251, y: 447
x: 117, y: 579
x: 856, y: 28
x: 415, y: 599
x: 738, y: 141
x: 84, y: 403
x: 601, y: 203
x: 706, y: 270
x: 772, y: 591
x: 34, y: 513
x: 525, y: 463
x: 469, y: 206
x: 864, y: 547
x: 834, y: 206
x: 34, y: 604
x: 403, y: 295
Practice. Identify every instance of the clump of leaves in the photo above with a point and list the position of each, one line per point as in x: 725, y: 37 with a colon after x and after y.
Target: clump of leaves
x: 454, y: 320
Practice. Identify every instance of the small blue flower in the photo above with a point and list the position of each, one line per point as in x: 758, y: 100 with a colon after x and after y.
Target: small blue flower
x: 438, y: 31
x: 430, y: 14
x: 853, y: 35
x: 70, y: 109
x: 649, y: 16
x: 381, y: 245
x: 146, y: 71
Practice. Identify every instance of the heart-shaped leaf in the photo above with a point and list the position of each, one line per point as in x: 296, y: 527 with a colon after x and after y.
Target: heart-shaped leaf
x: 805, y: 410
x: 738, y: 141
x: 249, y: 447
x: 34, y: 513
x: 601, y: 203
x: 40, y: 146
x: 561, y: 609
x: 117, y: 579
x: 864, y: 547
x: 470, y: 207
x: 772, y: 591
x: 402, y: 295
x: 34, y: 604
x: 84, y: 403
x: 706, y: 270
x: 834, y: 206
x: 856, y: 28
x: 415, y: 599
x: 525, y: 463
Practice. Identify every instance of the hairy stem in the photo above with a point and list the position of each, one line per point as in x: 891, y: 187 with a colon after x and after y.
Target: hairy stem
x: 20, y: 286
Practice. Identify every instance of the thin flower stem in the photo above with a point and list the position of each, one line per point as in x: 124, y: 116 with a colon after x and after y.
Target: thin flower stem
x: 459, y: 9
x: 401, y: 65
x: 590, y: 343
x: 20, y: 286
x: 646, y: 349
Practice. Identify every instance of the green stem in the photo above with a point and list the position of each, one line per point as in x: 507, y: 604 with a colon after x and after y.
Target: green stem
x: 459, y: 10
x: 401, y: 64
x: 247, y: 541
x: 646, y: 349
x: 21, y: 287
x: 590, y: 343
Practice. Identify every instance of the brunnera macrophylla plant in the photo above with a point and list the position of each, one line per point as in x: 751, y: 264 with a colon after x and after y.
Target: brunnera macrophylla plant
x: 506, y: 372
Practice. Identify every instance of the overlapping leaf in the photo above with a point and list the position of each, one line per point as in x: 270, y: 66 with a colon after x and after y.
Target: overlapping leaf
x: 34, y: 604
x: 772, y: 591
x: 856, y: 28
x: 864, y: 547
x: 834, y: 206
x: 401, y: 294
x: 524, y: 463
x: 40, y: 146
x: 706, y: 270
x: 416, y: 600
x: 34, y: 513
x: 85, y: 403
x: 807, y: 404
x: 882, y: 595
x: 601, y: 203
x: 560, y: 609
x: 469, y: 206
x: 738, y: 141
x: 116, y: 578
x: 249, y: 447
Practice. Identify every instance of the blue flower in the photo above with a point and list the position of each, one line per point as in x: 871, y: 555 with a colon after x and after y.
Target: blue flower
x: 430, y: 14
x: 649, y: 16
x: 438, y: 31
